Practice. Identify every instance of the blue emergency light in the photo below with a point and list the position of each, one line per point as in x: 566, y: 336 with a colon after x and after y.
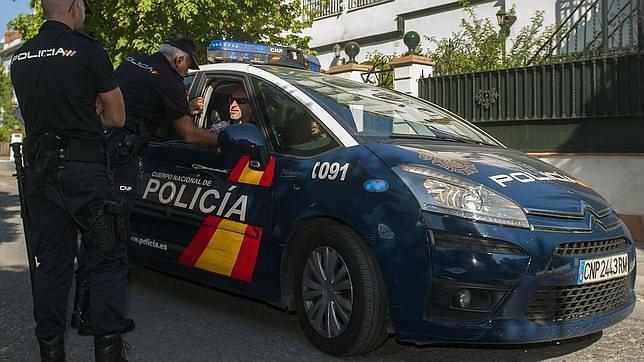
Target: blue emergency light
x: 314, y: 63
x: 233, y: 51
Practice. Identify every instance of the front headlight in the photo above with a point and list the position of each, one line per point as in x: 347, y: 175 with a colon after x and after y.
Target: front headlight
x: 443, y: 193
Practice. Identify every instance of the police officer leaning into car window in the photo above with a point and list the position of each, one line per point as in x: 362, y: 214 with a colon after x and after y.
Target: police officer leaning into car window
x: 155, y: 100
x: 59, y: 76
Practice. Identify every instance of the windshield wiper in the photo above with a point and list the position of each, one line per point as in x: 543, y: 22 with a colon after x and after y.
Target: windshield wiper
x: 444, y: 136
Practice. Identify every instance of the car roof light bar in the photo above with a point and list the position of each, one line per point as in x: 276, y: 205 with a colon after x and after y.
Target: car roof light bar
x: 234, y: 51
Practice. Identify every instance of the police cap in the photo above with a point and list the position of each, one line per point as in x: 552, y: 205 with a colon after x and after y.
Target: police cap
x: 187, y: 45
x: 88, y: 9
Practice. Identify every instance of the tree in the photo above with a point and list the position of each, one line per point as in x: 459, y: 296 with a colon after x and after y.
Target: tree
x: 125, y: 27
x: 382, y: 70
x: 479, y: 46
x: 8, y: 121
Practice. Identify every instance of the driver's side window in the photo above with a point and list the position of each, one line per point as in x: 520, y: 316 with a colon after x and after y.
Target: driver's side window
x: 293, y: 129
x: 226, y: 102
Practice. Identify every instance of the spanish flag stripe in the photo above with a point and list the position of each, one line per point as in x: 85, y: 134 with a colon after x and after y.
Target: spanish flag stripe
x: 224, y: 247
x: 239, y: 168
x: 250, y: 176
x: 222, y: 251
x: 242, y: 173
x: 267, y: 177
x: 233, y: 226
x: 200, y: 241
x: 245, y: 264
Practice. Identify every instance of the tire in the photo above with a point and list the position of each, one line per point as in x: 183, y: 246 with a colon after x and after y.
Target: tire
x: 345, y: 314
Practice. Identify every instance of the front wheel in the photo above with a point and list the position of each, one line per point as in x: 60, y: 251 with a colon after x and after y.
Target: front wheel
x: 339, y: 292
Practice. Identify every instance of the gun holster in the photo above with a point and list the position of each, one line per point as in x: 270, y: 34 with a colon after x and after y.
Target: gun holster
x: 126, y: 146
x: 41, y: 158
x: 118, y: 208
x: 123, y: 145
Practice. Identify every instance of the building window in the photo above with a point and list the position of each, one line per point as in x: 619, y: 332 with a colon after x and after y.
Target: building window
x: 321, y: 8
x: 353, y: 4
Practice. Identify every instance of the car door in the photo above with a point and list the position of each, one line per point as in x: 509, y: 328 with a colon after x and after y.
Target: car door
x: 299, y: 141
x: 151, y: 221
x: 222, y: 206
x: 152, y: 227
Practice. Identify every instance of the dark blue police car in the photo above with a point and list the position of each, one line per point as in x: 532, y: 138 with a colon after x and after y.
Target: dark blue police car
x: 370, y: 212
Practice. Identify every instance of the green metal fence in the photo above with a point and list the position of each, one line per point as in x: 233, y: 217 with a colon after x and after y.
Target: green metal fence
x: 593, y: 105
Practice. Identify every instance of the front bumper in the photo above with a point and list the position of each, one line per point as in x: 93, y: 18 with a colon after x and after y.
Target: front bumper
x: 508, y: 331
x: 517, y: 282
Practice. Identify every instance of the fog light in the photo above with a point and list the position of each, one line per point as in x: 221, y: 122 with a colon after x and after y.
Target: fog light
x: 464, y: 298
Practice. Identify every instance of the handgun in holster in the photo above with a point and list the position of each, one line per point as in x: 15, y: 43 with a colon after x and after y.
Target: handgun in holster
x: 41, y: 157
x: 126, y: 146
x: 117, y: 207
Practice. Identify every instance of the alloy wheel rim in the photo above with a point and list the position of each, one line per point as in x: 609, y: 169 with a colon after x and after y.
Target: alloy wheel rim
x: 327, y: 291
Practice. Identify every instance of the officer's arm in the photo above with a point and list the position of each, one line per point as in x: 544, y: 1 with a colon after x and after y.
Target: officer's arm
x: 191, y: 134
x: 113, y: 114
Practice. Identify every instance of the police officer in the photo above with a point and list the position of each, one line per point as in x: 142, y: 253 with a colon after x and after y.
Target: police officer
x: 58, y: 76
x: 155, y: 103
x: 155, y: 96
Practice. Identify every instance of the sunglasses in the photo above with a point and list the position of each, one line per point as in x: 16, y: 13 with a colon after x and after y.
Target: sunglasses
x: 239, y: 100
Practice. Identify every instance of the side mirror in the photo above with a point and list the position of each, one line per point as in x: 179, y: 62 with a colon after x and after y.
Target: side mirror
x: 245, y: 139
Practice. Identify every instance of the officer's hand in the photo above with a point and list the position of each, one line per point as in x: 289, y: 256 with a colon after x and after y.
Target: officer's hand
x: 99, y: 106
x: 196, y: 106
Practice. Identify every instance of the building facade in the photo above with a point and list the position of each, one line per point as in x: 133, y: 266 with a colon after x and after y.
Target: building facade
x: 12, y: 40
x: 379, y: 25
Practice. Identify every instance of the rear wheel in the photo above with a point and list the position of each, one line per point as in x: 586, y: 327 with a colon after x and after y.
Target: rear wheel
x: 339, y: 292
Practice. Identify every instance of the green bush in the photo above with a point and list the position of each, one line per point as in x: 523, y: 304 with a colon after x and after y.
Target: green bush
x: 9, y: 123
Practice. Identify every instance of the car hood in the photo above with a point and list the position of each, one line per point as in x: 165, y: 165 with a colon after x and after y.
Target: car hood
x: 534, y: 185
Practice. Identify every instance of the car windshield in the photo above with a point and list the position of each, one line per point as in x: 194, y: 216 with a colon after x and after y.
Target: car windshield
x: 373, y: 113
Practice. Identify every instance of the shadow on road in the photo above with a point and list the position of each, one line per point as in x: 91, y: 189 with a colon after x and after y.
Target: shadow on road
x: 9, y: 208
x: 236, y: 316
x: 211, y: 302
x: 16, y: 316
x: 462, y: 352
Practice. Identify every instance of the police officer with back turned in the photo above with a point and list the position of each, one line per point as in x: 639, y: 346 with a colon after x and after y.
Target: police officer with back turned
x: 60, y: 76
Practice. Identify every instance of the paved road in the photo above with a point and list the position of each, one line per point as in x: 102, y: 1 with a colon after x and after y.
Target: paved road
x: 181, y: 321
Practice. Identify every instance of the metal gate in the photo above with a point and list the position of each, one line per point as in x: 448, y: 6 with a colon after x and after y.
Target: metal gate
x: 582, y: 106
x: 581, y: 101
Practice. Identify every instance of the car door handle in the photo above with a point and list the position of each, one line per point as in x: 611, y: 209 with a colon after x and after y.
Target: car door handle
x: 186, y: 168
x: 198, y: 167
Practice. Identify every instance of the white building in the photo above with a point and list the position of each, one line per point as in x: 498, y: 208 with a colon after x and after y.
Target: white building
x: 11, y: 42
x: 379, y: 25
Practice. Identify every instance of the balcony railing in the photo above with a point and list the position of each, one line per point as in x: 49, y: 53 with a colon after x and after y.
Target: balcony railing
x: 353, y: 4
x: 593, y: 28
x: 321, y: 8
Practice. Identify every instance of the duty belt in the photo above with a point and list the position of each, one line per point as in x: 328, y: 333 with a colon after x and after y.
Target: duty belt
x: 77, y: 150
x: 80, y: 155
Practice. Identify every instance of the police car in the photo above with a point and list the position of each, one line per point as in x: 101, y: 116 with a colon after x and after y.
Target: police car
x: 371, y: 213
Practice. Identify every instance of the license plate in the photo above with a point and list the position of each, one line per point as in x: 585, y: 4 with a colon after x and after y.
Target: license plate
x: 596, y: 270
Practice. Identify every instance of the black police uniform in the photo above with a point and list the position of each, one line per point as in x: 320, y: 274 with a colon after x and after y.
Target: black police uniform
x: 153, y: 92
x: 57, y: 76
x: 154, y: 96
